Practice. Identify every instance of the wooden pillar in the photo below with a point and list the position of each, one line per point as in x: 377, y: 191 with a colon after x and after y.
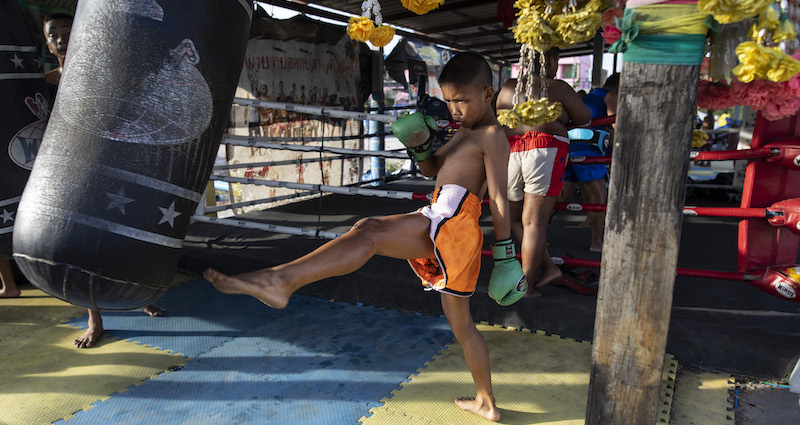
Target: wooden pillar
x: 655, y: 118
x: 597, y: 60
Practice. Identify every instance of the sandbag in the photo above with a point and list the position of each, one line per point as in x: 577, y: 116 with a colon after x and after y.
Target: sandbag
x: 24, y: 105
x: 142, y: 105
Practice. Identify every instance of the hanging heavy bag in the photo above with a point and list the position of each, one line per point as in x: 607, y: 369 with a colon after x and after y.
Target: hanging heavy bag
x: 24, y: 105
x: 143, y: 101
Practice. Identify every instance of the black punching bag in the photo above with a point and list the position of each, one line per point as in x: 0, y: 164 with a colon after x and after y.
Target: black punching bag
x: 24, y: 108
x: 142, y: 105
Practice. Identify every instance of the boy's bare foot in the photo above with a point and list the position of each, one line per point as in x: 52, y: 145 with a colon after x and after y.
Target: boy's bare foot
x: 486, y: 410
x: 89, y: 338
x: 152, y: 311
x: 596, y: 248
x: 256, y: 284
x: 549, y: 275
x: 7, y: 293
x: 532, y: 293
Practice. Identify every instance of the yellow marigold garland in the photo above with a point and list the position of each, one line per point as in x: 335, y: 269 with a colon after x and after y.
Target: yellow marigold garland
x: 699, y: 139
x: 727, y: 11
x: 783, y: 69
x: 360, y: 28
x: 574, y: 28
x: 759, y: 61
x: 364, y: 29
x: 531, y: 113
x: 381, y: 36
x: 541, y: 28
x: 535, y: 32
x: 421, y: 7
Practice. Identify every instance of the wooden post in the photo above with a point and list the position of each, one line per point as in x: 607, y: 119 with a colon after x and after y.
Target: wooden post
x: 597, y: 60
x: 655, y: 118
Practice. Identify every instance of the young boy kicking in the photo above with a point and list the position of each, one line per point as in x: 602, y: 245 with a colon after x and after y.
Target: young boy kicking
x: 442, y: 241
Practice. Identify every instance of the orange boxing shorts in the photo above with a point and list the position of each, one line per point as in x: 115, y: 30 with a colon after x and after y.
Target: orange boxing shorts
x: 457, y: 241
x: 536, y: 164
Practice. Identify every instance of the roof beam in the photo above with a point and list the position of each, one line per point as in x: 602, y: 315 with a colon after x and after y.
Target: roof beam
x: 503, y: 41
x: 481, y: 34
x: 445, y: 28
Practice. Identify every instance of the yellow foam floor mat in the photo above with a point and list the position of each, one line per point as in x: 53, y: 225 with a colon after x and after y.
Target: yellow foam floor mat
x: 44, y: 378
x: 537, y: 379
x: 36, y: 306
x: 702, y: 399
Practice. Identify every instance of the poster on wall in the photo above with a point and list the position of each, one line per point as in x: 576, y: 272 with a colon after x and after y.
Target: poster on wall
x: 300, y: 61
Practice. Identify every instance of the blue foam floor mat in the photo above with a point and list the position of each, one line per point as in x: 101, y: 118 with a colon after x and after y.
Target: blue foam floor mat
x: 315, y: 362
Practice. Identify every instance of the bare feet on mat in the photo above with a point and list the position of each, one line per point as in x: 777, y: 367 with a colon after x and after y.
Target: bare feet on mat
x: 483, y: 409
x: 550, y: 274
x: 152, y: 310
x: 256, y: 284
x: 532, y: 293
x: 89, y: 338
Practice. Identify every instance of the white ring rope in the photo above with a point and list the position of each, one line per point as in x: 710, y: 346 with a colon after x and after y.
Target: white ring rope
x: 322, y: 139
x: 268, y: 227
x: 316, y: 110
x: 393, y: 194
x: 284, y: 162
x: 218, y: 208
x: 252, y: 142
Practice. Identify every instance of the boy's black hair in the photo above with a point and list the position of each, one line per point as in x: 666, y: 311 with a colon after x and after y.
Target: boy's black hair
x: 612, y: 82
x: 465, y: 69
x: 54, y: 16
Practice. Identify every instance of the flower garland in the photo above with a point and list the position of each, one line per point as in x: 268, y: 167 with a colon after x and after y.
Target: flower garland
x: 531, y: 112
x: 541, y: 28
x: 761, y: 59
x: 699, y: 139
x: 774, y: 100
x: 610, y: 31
x: 727, y: 11
x: 363, y: 29
x: 421, y: 7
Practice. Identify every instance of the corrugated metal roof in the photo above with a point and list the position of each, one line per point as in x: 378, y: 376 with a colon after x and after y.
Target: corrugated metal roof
x: 471, y: 25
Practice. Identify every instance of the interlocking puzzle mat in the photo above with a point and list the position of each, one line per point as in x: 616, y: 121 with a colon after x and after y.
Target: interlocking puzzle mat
x: 536, y: 378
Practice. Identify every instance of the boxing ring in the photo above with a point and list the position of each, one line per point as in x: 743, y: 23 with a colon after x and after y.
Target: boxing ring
x: 781, y: 214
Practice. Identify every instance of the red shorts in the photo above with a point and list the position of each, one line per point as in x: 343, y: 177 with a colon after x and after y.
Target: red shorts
x: 536, y: 164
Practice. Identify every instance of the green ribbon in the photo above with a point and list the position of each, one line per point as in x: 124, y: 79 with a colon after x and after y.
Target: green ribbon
x: 659, y: 49
x: 629, y: 30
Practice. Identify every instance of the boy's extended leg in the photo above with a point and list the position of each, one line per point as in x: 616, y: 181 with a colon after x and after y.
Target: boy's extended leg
x: 403, y: 236
x: 456, y: 309
x: 535, y: 217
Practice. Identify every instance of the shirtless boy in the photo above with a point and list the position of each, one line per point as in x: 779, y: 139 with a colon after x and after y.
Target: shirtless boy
x: 445, y: 232
x: 536, y: 170
x: 57, y: 28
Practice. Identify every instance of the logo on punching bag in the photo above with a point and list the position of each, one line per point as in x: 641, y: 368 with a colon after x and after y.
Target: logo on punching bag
x: 171, y: 105
x: 25, y: 144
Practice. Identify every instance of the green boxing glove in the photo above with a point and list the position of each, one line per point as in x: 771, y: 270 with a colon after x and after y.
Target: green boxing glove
x: 416, y: 131
x: 507, y: 283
